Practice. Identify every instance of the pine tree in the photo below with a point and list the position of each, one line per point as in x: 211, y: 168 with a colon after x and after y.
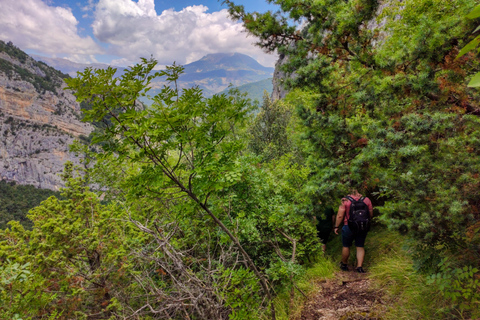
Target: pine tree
x: 391, y: 111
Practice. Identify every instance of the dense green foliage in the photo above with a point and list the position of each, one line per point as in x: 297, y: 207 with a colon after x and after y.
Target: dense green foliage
x: 388, y: 109
x: 270, y: 137
x: 16, y: 200
x: 45, y: 79
x: 207, y: 214
x: 70, y: 261
x: 236, y: 226
x: 473, y: 44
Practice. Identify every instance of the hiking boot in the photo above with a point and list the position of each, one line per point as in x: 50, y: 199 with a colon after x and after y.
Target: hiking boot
x: 343, y: 266
x: 360, y: 270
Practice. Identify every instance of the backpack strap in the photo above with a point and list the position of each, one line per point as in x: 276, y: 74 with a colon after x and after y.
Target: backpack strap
x: 352, y: 200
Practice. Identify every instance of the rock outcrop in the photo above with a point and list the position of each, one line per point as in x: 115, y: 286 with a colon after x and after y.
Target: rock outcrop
x: 279, y: 76
x: 38, y: 121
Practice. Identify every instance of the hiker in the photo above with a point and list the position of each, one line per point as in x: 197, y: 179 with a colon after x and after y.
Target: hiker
x: 362, y: 206
x: 324, y: 221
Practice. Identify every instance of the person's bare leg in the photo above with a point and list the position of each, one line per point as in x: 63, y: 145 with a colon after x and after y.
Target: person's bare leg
x: 324, y: 247
x: 345, y: 254
x: 360, y: 256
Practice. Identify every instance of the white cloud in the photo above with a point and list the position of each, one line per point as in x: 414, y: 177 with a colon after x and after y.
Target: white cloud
x: 134, y: 29
x: 89, y: 7
x: 32, y: 24
x: 82, y: 58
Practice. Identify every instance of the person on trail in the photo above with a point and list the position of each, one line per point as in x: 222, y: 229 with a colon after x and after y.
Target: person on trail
x: 349, y: 235
x: 324, y: 221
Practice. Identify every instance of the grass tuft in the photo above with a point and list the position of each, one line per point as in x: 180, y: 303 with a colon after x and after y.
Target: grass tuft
x: 322, y: 267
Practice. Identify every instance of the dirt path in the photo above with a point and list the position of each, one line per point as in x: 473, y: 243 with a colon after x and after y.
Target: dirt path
x: 348, y: 296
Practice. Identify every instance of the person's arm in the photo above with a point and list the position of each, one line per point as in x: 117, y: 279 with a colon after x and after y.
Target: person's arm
x: 370, y: 208
x: 339, y: 220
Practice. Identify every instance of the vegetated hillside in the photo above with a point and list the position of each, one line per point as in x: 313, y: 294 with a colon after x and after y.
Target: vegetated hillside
x: 16, y: 200
x: 38, y: 120
x: 16, y: 64
x: 195, y: 216
x: 255, y: 90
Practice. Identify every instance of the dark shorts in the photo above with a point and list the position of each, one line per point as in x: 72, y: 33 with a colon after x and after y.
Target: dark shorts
x: 324, y: 235
x: 348, y: 237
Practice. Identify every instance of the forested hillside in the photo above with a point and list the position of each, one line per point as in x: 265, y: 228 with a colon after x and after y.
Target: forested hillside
x: 206, y: 209
x: 16, y: 200
x: 255, y: 90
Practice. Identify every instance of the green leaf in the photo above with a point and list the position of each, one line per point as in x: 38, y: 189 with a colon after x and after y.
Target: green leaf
x: 469, y: 47
x: 475, y: 13
x: 475, y: 82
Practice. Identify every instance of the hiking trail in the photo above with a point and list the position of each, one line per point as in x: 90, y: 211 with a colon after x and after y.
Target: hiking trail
x: 347, y: 296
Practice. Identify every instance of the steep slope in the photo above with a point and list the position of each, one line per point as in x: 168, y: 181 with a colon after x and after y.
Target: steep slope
x: 255, y: 90
x: 38, y: 120
x: 279, y: 76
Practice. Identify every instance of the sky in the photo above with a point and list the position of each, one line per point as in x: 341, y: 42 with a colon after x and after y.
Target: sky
x: 119, y: 32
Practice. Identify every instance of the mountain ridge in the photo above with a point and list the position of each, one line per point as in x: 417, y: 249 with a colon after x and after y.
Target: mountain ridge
x: 228, y: 61
x: 213, y: 73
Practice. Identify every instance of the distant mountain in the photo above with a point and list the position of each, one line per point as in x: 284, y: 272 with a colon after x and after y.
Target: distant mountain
x: 255, y: 90
x: 70, y: 67
x: 215, y: 72
x: 226, y: 61
x: 212, y: 73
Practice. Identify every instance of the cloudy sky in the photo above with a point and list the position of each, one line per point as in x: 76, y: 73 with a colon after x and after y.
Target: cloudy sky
x: 121, y: 31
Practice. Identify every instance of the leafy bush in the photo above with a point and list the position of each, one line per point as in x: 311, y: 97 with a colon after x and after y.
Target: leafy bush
x: 460, y: 285
x: 184, y: 157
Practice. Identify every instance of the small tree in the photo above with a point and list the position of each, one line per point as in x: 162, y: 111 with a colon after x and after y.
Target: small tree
x: 269, y: 135
x: 71, y: 259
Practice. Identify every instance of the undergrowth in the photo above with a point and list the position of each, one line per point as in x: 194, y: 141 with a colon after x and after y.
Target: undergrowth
x: 406, y: 292
x: 411, y: 294
x: 322, y: 267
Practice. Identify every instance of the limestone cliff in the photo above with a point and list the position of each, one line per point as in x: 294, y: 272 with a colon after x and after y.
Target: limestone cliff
x: 38, y: 120
x: 279, y: 91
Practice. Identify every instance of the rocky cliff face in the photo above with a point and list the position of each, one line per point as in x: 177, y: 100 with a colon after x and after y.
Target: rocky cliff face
x: 279, y: 91
x: 38, y: 120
